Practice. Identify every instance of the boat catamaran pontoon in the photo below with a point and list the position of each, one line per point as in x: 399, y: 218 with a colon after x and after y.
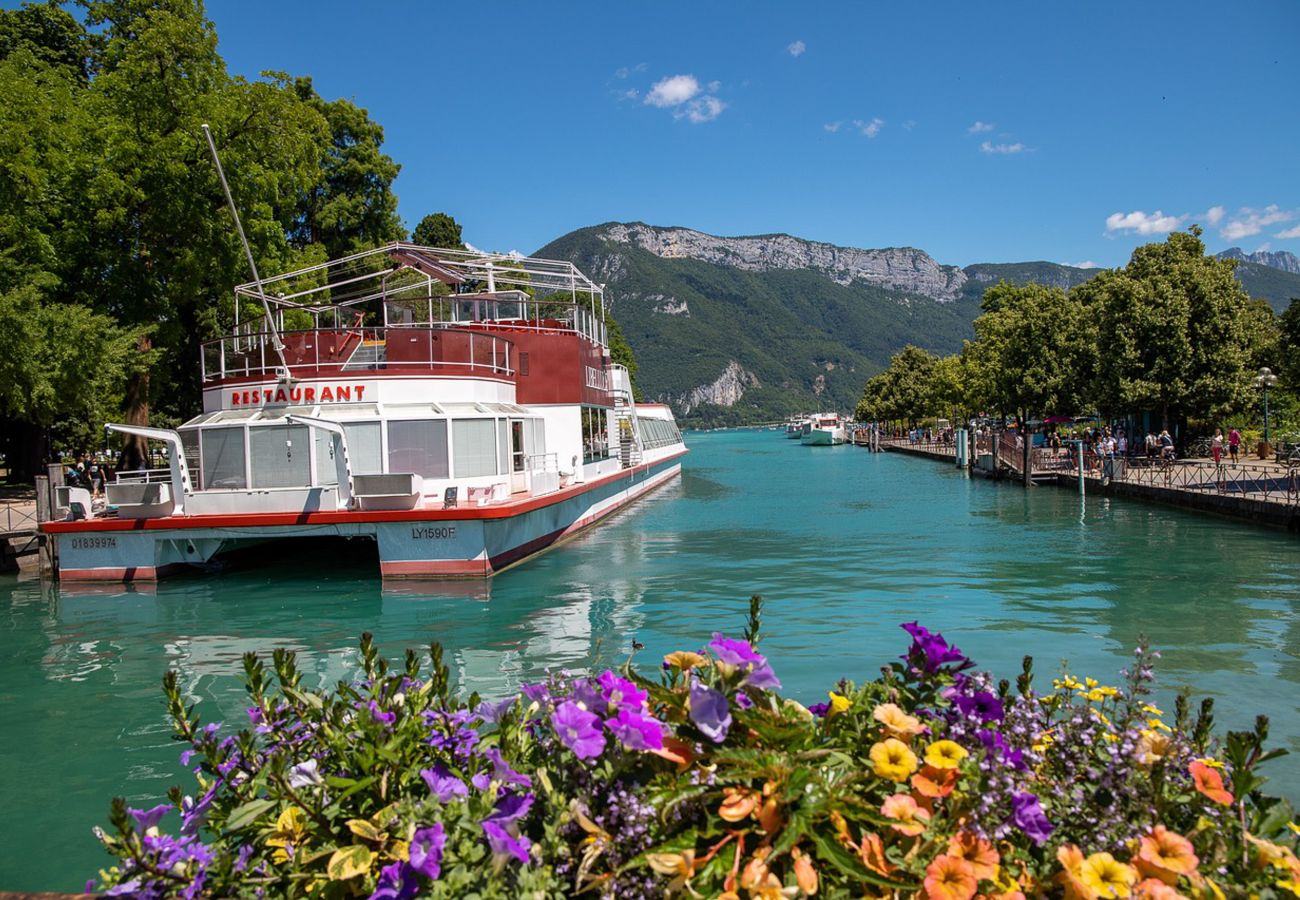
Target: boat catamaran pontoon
x: 459, y: 409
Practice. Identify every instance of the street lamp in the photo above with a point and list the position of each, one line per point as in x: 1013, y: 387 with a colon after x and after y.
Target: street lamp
x: 1265, y: 380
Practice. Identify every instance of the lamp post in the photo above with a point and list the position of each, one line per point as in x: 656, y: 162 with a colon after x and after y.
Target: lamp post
x: 1265, y: 380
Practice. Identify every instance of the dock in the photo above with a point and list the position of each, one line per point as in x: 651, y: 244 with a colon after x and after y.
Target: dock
x: 1257, y: 491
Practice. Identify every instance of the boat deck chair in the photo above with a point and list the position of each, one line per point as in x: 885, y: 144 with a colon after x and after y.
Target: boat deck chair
x: 449, y: 498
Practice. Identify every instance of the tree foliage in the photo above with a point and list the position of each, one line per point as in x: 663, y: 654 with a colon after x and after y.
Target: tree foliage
x: 438, y: 230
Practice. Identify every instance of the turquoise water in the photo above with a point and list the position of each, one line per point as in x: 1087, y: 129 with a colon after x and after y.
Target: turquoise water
x: 843, y: 544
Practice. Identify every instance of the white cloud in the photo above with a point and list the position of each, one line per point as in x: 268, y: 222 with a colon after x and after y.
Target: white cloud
x: 702, y: 109
x: 870, y: 129
x: 1140, y: 222
x: 990, y: 147
x: 630, y: 94
x: 909, y: 124
x: 714, y: 86
x: 673, y: 91
x: 1213, y: 215
x: 1289, y: 233
x: 832, y: 127
x: 797, y: 48
x: 1249, y: 221
x: 1086, y: 264
x: 628, y: 70
x: 980, y: 127
x: 1264, y: 247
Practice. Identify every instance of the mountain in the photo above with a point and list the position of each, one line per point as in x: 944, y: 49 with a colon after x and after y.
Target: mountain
x: 751, y: 329
x: 1277, y: 259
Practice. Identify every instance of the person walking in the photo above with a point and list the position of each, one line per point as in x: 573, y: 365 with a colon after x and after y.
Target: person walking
x: 1234, y: 444
x: 1216, y: 446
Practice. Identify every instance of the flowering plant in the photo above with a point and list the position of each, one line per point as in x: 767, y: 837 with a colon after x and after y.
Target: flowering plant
x: 930, y: 781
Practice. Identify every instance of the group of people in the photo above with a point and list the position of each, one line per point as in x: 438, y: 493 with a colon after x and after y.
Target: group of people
x: 1233, y: 441
x: 91, y: 474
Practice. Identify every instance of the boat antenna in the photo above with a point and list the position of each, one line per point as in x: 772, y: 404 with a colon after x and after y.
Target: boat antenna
x: 261, y: 292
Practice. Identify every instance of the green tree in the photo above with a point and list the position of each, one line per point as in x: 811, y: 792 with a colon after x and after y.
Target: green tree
x: 1173, y: 329
x: 50, y: 33
x: 903, y: 392
x: 1033, y: 353
x: 438, y: 230
x: 352, y: 206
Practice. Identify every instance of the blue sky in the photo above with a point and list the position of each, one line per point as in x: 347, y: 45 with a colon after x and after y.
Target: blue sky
x: 976, y: 131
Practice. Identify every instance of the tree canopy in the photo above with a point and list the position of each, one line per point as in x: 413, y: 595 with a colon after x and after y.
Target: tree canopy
x: 438, y: 230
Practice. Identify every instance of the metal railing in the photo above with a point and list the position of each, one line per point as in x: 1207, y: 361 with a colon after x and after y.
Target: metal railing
x: 361, y: 349
x: 17, y: 517
x: 144, y: 476
x: 542, y: 462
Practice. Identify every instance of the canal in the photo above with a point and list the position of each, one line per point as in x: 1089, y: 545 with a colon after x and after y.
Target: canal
x: 843, y: 544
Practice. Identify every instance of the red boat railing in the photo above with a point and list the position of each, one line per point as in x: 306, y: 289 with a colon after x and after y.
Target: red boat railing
x: 329, y: 351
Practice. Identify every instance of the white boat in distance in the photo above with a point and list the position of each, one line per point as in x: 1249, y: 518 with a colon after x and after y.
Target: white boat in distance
x: 824, y: 430
x: 458, y: 409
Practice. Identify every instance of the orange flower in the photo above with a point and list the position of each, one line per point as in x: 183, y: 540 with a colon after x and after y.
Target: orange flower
x: 805, y: 874
x: 935, y: 783
x: 909, y: 818
x: 896, y: 721
x: 1165, y: 854
x: 949, y: 878
x: 1155, y: 889
x: 737, y: 804
x: 1071, y: 876
x: 1209, y: 782
x: 977, y: 851
x: 873, y: 854
x: 677, y: 751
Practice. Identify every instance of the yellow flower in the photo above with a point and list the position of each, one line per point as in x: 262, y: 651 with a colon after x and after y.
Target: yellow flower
x: 945, y: 754
x: 1151, y: 710
x: 839, y: 703
x: 895, y: 720
x: 1090, y: 682
x: 685, y: 660
x: 892, y: 759
x: 680, y: 865
x: 290, y: 831
x: 1106, y: 876
x: 1067, y: 682
x: 1294, y: 827
x: 1109, y: 737
x: 1212, y: 763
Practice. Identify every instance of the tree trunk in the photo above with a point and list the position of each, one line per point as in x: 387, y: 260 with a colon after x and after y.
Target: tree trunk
x: 135, y: 450
x: 25, y: 447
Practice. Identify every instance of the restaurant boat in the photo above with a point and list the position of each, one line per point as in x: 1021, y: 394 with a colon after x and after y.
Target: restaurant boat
x: 460, y: 410
x: 824, y: 430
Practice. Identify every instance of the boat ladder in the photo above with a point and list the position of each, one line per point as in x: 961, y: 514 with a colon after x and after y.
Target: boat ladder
x: 369, y: 354
x: 629, y: 433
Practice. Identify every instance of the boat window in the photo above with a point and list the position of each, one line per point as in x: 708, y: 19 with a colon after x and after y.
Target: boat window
x: 535, y: 437
x: 336, y: 411
x: 419, y: 446
x: 503, y: 448
x: 190, y: 447
x: 223, y: 458
x: 474, y: 443
x: 365, y: 455
x: 280, y: 456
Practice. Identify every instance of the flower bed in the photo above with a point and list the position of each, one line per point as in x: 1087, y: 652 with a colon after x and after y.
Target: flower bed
x: 932, y: 780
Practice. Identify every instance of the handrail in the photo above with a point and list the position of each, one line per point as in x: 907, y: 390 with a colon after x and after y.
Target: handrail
x: 332, y: 350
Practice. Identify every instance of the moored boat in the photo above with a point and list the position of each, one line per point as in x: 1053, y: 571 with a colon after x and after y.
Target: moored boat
x: 824, y: 430
x: 460, y: 410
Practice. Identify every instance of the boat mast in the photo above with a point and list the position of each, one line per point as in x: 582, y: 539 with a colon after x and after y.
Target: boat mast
x: 276, y: 343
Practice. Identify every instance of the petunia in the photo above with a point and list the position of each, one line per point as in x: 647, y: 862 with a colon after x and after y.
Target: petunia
x: 618, y: 692
x: 950, y: 878
x: 892, y: 759
x: 578, y: 730
x: 908, y: 817
x: 425, y: 851
x: 442, y: 784
x: 1209, y: 782
x: 983, y: 706
x: 305, y: 774
x: 510, y: 808
x: 1029, y: 817
x: 1165, y: 854
x: 740, y: 654
x: 539, y: 693
x: 710, y: 712
x: 935, y: 783
x: 503, y: 843
x: 493, y: 711
x: 502, y: 771
x: 1105, y: 876
x: 977, y: 851
x: 481, y: 781
x: 636, y: 731
x: 839, y: 703
x: 897, y: 722
x: 383, y: 718
x: 929, y: 651
x: 945, y: 754
x: 148, y: 818
x: 396, y: 882
x: 685, y: 660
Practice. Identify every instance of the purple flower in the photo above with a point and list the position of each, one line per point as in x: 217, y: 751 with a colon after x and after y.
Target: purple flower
x: 510, y: 807
x: 502, y: 772
x: 305, y: 774
x: 426, y: 850
x: 537, y: 693
x: 709, y: 712
x: 148, y: 818
x: 636, y: 731
x: 588, y: 696
x: 819, y: 709
x: 442, y: 784
x: 503, y: 843
x: 744, y: 657
x: 1029, y: 817
x: 998, y: 747
x: 619, y: 692
x: 578, y: 730
x: 982, y: 705
x: 187, y: 755
x: 195, y: 813
x: 255, y: 715
x: 929, y: 651
x: 383, y: 718
x: 396, y: 882
x: 490, y: 711
x: 481, y: 781
x: 245, y: 854
x: 125, y: 889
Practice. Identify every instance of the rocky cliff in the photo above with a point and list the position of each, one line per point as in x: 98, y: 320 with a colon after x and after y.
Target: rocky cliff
x: 725, y: 390
x: 1276, y: 259
x: 897, y: 268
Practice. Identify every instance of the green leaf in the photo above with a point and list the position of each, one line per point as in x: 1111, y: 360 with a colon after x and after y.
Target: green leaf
x: 366, y: 830
x: 832, y: 852
x: 249, y: 813
x: 349, y: 862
